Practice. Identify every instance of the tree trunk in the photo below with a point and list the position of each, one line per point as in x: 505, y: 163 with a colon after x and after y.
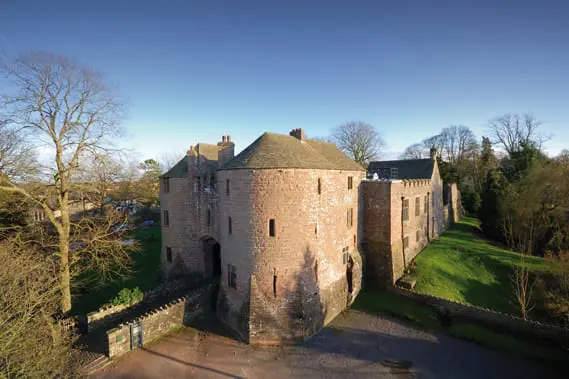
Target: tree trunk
x: 64, y: 236
x: 64, y: 274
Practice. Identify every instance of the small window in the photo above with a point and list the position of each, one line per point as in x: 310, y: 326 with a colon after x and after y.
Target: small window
x: 350, y: 182
x: 319, y: 186
x: 166, y: 184
x: 229, y: 225
x: 345, y: 254
x: 231, y: 276
x: 394, y: 173
x: 417, y: 236
x: 272, y: 228
x: 417, y: 206
x: 209, y: 217
x: 274, y: 282
x: 406, y: 243
x: 227, y: 187
x: 350, y: 217
x: 355, y: 241
x: 169, y: 254
x: 426, y: 205
x: 316, y: 271
x: 316, y: 229
x: 405, y: 209
x: 166, y: 218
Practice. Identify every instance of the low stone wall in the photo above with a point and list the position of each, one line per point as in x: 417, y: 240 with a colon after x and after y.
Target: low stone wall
x: 157, y: 322
x: 490, y: 319
x: 105, y: 316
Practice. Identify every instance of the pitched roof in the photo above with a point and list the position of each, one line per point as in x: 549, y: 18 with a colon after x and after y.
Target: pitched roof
x: 180, y: 169
x: 273, y: 150
x: 403, y: 169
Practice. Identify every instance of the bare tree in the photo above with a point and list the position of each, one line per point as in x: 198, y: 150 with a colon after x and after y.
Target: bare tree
x: 69, y: 110
x: 99, y: 176
x: 169, y: 160
x: 414, y: 151
x: 18, y: 159
x: 512, y: 131
x: 361, y: 141
x: 32, y: 342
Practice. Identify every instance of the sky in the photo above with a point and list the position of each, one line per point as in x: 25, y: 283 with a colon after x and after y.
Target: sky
x: 192, y: 71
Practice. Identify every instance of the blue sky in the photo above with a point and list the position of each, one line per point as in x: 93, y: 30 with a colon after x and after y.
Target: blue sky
x: 196, y: 70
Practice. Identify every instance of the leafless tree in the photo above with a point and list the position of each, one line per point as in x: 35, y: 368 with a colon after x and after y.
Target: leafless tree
x: 169, y: 160
x: 33, y: 343
x: 99, y: 176
x: 512, y: 131
x: 72, y: 113
x: 18, y: 159
x: 361, y: 141
x: 415, y: 151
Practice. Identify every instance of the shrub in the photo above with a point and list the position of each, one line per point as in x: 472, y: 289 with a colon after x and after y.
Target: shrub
x: 471, y: 201
x: 127, y: 296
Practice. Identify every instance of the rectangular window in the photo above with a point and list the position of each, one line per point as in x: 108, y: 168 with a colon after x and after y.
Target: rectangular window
x: 275, y: 282
x: 227, y: 187
x: 405, y: 209
x: 231, y: 276
x: 272, y: 228
x: 426, y: 205
x: 406, y: 243
x: 350, y: 217
x: 166, y: 183
x: 345, y: 254
x: 350, y: 182
x: 209, y: 217
x: 417, y: 206
x: 319, y: 186
x: 166, y: 218
x: 229, y: 226
x: 417, y: 236
x: 394, y: 173
x: 169, y: 254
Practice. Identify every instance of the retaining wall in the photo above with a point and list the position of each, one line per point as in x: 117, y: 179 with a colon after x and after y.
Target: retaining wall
x: 491, y: 319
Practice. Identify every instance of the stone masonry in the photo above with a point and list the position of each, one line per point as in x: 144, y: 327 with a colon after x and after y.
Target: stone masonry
x: 285, y: 225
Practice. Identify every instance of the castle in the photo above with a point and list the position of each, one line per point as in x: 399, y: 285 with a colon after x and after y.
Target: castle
x: 291, y: 224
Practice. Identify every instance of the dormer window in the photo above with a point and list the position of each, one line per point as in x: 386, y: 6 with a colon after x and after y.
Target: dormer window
x: 394, y: 173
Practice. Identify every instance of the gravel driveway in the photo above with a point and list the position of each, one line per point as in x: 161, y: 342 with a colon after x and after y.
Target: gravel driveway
x: 354, y: 345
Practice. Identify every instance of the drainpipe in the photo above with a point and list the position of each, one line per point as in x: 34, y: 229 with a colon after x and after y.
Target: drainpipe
x: 402, y: 235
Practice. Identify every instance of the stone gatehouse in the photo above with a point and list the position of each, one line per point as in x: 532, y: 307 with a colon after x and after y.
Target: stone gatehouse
x: 288, y: 225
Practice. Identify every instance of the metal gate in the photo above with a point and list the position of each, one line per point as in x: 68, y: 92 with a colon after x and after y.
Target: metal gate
x: 135, y: 335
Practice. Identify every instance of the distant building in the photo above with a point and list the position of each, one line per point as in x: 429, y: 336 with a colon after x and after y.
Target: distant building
x: 283, y: 223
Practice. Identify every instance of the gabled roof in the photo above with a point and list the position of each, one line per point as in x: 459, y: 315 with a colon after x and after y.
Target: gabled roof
x: 403, y: 169
x: 273, y: 150
x: 180, y: 169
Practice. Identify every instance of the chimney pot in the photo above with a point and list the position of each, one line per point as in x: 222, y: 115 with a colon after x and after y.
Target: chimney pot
x: 223, y: 138
x: 228, y: 138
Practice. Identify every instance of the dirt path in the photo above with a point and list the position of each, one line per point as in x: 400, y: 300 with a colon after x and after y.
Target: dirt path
x: 354, y: 345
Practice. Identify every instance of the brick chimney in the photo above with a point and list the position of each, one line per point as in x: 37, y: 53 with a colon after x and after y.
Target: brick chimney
x: 225, y: 151
x: 298, y: 133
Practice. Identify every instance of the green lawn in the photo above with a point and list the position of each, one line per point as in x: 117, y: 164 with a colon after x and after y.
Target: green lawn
x: 465, y: 267
x: 146, y: 270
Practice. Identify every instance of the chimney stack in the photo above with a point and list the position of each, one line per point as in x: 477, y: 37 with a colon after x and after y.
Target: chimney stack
x: 225, y: 150
x: 298, y: 134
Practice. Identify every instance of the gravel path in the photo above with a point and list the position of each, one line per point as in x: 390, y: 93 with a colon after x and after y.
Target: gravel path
x: 354, y: 345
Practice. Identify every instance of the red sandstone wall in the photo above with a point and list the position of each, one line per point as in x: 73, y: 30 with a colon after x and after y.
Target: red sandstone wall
x: 305, y: 255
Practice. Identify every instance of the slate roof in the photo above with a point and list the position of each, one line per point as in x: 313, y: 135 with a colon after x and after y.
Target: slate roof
x: 180, y: 170
x: 403, y: 169
x: 273, y: 150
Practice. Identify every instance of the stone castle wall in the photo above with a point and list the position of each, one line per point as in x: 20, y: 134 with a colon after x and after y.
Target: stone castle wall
x: 385, y: 232
x: 290, y: 284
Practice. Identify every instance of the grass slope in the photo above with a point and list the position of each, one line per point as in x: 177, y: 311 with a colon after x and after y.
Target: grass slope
x: 465, y: 267
x: 146, y: 268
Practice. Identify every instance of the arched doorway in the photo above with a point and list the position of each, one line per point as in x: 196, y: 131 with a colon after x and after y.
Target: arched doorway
x: 212, y: 257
